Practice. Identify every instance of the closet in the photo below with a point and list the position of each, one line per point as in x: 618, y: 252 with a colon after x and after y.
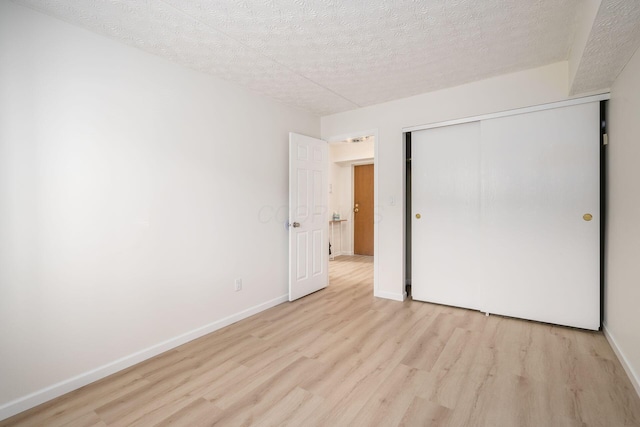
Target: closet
x: 505, y: 215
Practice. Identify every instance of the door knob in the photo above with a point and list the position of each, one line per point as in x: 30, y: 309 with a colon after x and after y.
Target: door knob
x: 418, y: 216
x: 587, y: 217
x: 356, y: 210
x: 295, y: 225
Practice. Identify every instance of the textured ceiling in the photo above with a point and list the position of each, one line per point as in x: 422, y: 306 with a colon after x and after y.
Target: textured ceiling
x: 614, y: 38
x: 328, y: 56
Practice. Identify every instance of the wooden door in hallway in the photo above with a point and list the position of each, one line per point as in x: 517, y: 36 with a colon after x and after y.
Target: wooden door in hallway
x: 363, y: 210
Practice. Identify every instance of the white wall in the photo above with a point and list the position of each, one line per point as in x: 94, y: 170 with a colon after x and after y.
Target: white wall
x: 526, y: 88
x: 343, y: 156
x: 336, y: 204
x: 342, y: 152
x: 132, y: 193
x: 622, y: 318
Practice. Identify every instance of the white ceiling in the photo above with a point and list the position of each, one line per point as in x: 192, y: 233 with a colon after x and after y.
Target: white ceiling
x: 328, y: 56
x: 614, y: 37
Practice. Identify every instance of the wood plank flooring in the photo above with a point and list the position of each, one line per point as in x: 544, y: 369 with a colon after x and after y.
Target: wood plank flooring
x: 341, y: 357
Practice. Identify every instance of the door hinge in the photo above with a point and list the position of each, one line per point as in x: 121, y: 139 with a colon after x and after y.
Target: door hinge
x: 605, y: 139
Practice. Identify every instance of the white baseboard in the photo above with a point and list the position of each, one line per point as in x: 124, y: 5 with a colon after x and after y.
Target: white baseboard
x: 389, y: 295
x: 633, y: 376
x: 34, y: 399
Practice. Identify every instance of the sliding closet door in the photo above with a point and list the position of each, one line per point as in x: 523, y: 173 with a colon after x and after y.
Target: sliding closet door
x: 445, y: 225
x: 540, y: 215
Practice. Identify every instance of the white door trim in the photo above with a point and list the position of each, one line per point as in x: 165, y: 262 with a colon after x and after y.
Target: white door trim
x: 559, y: 104
x: 376, y: 234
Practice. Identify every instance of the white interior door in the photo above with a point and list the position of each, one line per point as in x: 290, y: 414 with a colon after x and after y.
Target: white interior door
x: 445, y: 171
x: 308, y: 215
x: 540, y: 177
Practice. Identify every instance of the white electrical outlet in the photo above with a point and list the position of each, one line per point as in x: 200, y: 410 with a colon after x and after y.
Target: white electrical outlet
x: 238, y: 284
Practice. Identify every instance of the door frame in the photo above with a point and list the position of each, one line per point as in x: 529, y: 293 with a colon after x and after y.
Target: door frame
x: 376, y: 202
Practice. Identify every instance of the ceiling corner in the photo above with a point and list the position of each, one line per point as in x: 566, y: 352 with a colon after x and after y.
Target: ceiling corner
x: 612, y: 40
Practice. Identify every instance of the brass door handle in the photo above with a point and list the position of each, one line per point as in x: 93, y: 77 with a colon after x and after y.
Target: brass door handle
x: 418, y: 216
x: 587, y: 217
x: 356, y: 210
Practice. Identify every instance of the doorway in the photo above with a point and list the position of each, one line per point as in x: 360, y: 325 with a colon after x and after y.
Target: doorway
x: 350, y: 155
x: 347, y: 151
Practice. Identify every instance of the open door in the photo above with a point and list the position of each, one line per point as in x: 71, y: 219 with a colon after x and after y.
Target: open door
x: 308, y: 215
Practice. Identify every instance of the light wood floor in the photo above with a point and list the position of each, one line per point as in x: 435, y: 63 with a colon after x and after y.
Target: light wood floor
x: 341, y: 357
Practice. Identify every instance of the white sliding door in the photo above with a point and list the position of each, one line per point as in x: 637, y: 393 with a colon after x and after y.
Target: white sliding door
x: 446, y: 214
x: 540, y: 176
x: 509, y: 215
